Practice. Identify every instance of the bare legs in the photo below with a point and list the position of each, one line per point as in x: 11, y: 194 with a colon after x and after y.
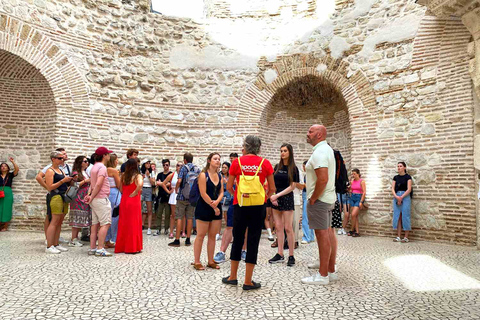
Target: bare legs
x: 149, y: 215
x: 284, y: 220
x: 204, y: 228
x: 75, y: 232
x: 172, y: 217
x: 179, y: 228
x: 355, y: 213
x: 327, y: 248
x: 54, y: 229
x: 226, y: 239
x: 399, y: 228
x: 102, y: 234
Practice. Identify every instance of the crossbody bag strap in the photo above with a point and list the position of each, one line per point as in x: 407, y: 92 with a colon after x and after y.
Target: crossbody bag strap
x: 5, y: 181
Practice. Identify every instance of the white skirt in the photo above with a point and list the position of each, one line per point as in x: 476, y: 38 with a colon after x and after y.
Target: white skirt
x: 173, y: 198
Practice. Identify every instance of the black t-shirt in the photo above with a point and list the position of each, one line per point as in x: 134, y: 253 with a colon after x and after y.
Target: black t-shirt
x: 163, y: 196
x: 7, y: 181
x: 401, y: 182
x: 281, y: 177
x: 122, y: 167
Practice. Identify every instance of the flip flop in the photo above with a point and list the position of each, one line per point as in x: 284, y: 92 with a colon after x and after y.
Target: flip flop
x: 198, y: 266
x: 213, y: 266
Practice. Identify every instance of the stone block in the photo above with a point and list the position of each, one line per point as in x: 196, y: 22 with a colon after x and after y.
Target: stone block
x: 416, y: 160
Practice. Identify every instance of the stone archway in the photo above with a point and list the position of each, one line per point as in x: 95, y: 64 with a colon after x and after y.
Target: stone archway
x: 38, y: 84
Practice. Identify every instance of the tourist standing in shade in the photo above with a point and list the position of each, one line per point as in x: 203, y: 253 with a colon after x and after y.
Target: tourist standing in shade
x: 172, y: 200
x: 320, y: 170
x: 208, y: 211
x: 57, y: 183
x: 130, y: 237
x: 98, y: 199
x: 115, y: 197
x: 188, y: 173
x: 286, y: 176
x: 227, y: 197
x: 357, y: 198
x: 80, y: 213
x: 147, y: 193
x: 6, y: 201
x: 308, y: 234
x: 250, y: 217
x: 163, y: 208
x: 131, y: 154
x: 402, y: 191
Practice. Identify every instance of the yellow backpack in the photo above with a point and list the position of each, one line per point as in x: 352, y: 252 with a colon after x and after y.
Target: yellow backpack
x: 250, y: 191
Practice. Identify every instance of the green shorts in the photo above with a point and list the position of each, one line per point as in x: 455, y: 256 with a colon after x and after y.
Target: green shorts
x: 57, y: 205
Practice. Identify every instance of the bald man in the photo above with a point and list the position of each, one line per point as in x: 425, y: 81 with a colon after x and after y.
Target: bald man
x: 320, y: 170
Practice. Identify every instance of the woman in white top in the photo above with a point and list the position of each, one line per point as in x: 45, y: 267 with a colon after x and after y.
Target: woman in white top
x: 114, y: 197
x: 147, y: 193
x: 170, y: 183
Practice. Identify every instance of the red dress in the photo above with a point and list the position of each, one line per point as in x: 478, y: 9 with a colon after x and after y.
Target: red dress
x: 129, y: 236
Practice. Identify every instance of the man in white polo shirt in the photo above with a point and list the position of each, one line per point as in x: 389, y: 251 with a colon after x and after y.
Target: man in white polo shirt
x: 320, y: 170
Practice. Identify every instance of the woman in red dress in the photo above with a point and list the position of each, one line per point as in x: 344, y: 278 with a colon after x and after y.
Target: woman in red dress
x: 129, y: 237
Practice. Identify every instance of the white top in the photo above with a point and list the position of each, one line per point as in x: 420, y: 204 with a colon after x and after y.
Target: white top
x: 297, y: 193
x: 322, y: 157
x: 111, y: 180
x: 146, y: 180
x: 173, y: 195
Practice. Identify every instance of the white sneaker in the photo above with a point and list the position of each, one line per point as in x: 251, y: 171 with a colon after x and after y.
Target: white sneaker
x: 397, y: 239
x: 316, y: 279
x: 62, y: 249
x: 332, y: 276
x: 314, y: 265
x: 91, y: 252
x: 149, y: 231
x: 103, y: 253
x: 52, y: 249
x: 344, y: 232
x: 339, y: 232
x: 304, y: 242
x: 218, y: 237
x: 75, y: 243
x: 46, y: 242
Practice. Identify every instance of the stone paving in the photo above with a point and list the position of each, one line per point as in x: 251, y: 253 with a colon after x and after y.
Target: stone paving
x: 379, y: 279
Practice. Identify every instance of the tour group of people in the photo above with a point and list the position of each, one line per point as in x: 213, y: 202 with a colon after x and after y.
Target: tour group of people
x: 113, y: 206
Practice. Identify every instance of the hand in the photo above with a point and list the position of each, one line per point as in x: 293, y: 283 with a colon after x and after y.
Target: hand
x: 361, y: 206
x: 133, y: 194
x: 86, y: 180
x: 67, y: 179
x: 275, y: 203
x: 170, y: 191
x: 11, y: 159
x: 399, y: 202
x: 159, y: 183
x: 168, y: 184
x: 212, y: 204
x: 87, y: 199
x: 273, y: 197
x: 217, y: 211
x: 311, y: 201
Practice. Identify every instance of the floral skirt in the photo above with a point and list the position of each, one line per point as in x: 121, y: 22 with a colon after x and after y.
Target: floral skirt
x: 80, y: 213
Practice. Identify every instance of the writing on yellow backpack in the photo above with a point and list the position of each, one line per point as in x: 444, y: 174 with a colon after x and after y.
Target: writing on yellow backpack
x: 250, y: 191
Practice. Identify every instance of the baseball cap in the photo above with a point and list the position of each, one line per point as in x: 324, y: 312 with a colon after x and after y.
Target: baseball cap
x: 102, y: 150
x: 145, y: 160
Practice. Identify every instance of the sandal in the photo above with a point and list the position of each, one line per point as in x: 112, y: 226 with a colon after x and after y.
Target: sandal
x: 213, y: 266
x: 198, y: 266
x: 356, y: 235
x: 350, y: 233
x: 274, y: 244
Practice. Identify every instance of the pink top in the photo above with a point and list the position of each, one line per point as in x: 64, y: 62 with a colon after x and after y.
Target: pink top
x: 357, y: 186
x: 99, y: 170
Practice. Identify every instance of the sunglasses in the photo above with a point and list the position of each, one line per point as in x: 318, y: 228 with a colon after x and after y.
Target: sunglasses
x: 59, y: 158
x: 179, y: 165
x: 85, y: 161
x: 166, y: 165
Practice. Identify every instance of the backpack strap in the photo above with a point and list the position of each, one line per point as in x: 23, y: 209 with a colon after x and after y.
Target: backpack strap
x: 259, y: 166
x: 240, y: 165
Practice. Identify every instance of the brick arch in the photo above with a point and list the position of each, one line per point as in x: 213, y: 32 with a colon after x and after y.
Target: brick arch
x: 23, y: 40
x: 355, y: 87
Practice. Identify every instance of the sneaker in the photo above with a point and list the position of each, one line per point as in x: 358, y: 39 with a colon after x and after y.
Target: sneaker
x: 103, y: 253
x: 218, y: 237
x: 339, y: 232
x: 46, y: 242
x: 149, y: 232
x: 291, y: 261
x: 344, y: 232
x: 277, y: 259
x: 187, y: 242
x: 332, y: 276
x: 397, y: 239
x: 157, y: 233
x: 184, y: 235
x: 170, y: 236
x: 271, y: 238
x: 316, y: 279
x: 75, y: 243
x: 62, y: 249
x: 219, y: 257
x: 243, y: 256
x: 52, y: 249
x: 304, y: 242
x: 405, y: 240
x: 175, y: 243
x: 314, y: 265
x: 91, y: 252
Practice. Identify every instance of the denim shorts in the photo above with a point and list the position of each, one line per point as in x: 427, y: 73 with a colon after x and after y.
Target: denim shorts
x: 147, y: 194
x: 342, y: 198
x: 355, y: 199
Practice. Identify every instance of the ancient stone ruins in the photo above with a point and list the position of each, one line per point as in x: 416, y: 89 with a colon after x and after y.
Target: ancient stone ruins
x: 393, y: 80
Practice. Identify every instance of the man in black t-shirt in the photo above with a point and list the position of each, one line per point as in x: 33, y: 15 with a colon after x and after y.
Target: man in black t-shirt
x: 162, y: 198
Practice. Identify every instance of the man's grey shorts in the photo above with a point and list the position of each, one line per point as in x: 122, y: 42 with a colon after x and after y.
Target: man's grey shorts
x: 319, y: 215
x: 184, y: 209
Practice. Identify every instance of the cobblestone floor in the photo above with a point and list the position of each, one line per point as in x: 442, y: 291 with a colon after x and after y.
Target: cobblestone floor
x: 379, y: 279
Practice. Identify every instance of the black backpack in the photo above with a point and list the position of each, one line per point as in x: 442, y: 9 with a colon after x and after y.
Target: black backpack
x: 341, y: 174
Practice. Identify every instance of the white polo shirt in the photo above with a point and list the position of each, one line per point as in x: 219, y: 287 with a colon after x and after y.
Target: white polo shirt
x: 322, y: 157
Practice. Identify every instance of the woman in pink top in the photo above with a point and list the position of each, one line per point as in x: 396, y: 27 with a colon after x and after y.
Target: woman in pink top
x: 359, y: 190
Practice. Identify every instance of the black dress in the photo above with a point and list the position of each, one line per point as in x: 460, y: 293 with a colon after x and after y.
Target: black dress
x: 203, y: 211
x: 285, y: 202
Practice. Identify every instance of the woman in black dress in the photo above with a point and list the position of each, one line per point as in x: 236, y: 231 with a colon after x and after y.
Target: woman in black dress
x: 285, y: 176
x: 208, y: 211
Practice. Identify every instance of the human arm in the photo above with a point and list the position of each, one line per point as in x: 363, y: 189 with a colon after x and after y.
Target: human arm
x: 41, y: 179
x: 283, y: 192
x: 271, y: 185
x: 409, y: 189
x: 322, y: 180
x: 300, y: 186
x: 116, y: 177
x: 15, y: 166
x: 49, y: 181
x: 230, y: 183
x: 364, y: 193
x: 139, y: 184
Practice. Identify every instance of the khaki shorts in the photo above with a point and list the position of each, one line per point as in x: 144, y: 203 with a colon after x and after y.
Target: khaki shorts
x: 319, y: 215
x: 101, y: 211
x: 57, y: 205
x: 184, y: 209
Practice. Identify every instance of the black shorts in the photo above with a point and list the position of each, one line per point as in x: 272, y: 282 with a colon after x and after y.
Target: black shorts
x: 285, y: 203
x: 269, y: 203
x: 206, y: 213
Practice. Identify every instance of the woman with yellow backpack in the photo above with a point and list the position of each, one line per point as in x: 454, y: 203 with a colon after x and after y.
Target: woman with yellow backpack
x: 250, y: 172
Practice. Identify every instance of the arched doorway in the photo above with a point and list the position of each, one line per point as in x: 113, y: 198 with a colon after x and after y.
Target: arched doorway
x: 28, y: 110
x: 295, y: 107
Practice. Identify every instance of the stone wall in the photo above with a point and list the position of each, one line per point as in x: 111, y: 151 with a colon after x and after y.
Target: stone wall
x: 392, y: 82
